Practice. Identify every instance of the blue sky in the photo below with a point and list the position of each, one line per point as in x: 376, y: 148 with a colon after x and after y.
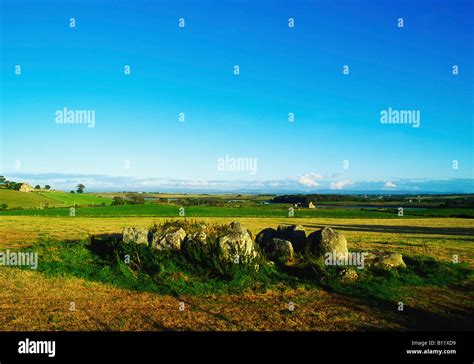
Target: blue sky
x: 282, y: 70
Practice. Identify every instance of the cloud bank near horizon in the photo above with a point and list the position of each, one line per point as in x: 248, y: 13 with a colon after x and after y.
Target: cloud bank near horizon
x: 305, y: 183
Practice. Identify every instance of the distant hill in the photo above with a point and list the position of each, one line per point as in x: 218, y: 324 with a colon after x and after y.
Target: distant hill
x: 42, y: 199
x: 27, y: 200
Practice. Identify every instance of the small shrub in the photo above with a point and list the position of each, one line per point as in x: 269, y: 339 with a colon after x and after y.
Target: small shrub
x: 118, y: 201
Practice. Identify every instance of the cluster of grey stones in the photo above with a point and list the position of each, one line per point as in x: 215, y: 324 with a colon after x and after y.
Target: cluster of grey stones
x: 278, y: 245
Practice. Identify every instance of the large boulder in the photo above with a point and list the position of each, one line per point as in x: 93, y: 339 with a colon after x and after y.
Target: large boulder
x: 237, y: 227
x: 279, y: 250
x: 326, y: 240
x: 265, y: 237
x: 135, y: 235
x: 385, y: 260
x: 168, y: 240
x: 294, y: 234
x: 236, y: 243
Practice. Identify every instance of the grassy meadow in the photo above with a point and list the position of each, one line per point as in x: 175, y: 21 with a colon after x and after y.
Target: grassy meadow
x: 76, y: 289
x: 42, y: 199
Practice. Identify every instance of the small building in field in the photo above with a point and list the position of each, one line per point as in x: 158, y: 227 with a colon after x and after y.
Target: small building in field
x: 311, y: 205
x: 24, y: 187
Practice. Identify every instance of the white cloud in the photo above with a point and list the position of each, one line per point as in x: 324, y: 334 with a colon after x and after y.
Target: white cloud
x: 310, y: 179
x: 194, y: 183
x: 390, y: 184
x: 339, y: 185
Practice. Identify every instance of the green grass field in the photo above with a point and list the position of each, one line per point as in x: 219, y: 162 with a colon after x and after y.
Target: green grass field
x: 69, y: 199
x: 32, y: 200
x: 57, y: 204
x: 171, y: 210
x: 44, y: 199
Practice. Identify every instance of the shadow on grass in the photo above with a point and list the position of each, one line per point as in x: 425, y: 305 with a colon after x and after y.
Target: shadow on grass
x: 383, y: 290
x: 427, y: 230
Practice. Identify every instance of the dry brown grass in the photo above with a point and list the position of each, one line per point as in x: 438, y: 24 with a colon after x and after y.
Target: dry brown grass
x: 30, y: 301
